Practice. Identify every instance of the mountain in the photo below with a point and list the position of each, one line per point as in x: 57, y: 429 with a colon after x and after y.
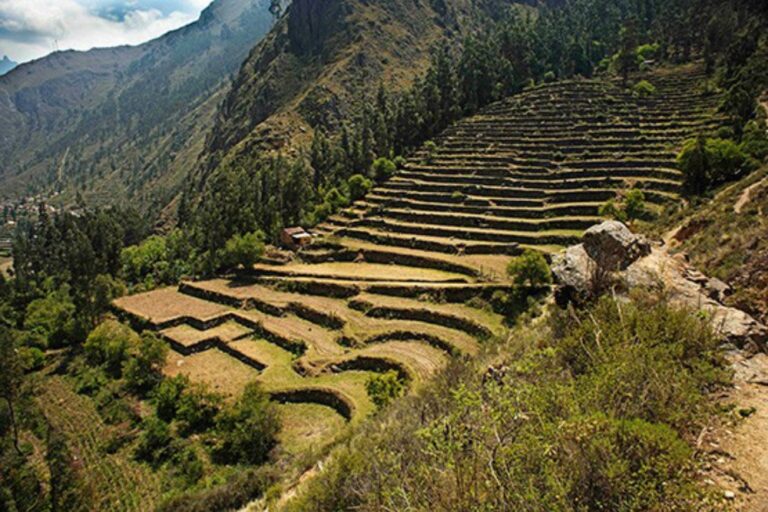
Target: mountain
x: 6, y: 65
x: 124, y: 123
x: 323, y: 58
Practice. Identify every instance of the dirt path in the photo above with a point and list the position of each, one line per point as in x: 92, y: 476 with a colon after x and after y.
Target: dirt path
x: 737, y: 452
x: 745, y: 196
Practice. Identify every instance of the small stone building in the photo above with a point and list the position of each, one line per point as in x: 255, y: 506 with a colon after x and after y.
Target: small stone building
x: 295, y: 238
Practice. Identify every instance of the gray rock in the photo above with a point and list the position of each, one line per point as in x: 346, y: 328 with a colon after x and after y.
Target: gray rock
x: 613, y: 246
x: 717, y: 289
x: 572, y: 270
x: 738, y: 327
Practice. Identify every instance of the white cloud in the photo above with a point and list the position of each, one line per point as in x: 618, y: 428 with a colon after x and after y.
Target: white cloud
x: 33, y: 28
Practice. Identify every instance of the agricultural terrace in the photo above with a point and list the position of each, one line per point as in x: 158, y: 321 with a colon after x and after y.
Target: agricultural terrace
x: 388, y: 285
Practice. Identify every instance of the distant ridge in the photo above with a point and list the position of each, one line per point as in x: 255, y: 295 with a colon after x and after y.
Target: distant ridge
x: 6, y: 65
x: 123, y: 124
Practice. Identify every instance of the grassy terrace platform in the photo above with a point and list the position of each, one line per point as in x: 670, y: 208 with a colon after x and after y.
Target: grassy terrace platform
x: 387, y: 286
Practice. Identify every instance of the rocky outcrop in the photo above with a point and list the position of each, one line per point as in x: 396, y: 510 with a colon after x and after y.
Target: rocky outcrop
x: 611, y: 255
x: 613, y: 246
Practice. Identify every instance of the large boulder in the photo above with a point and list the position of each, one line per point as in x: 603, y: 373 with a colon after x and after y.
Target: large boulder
x: 573, y: 270
x: 613, y: 246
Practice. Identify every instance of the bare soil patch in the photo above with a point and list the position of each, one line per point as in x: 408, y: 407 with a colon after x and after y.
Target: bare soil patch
x: 738, y: 450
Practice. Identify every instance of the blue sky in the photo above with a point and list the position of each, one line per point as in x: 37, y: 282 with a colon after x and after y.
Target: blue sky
x: 30, y: 29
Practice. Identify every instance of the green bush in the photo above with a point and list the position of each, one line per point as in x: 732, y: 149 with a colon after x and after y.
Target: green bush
x: 186, y: 467
x: 243, y: 250
x: 53, y: 317
x: 247, y: 430
x: 613, y: 210
x: 143, y: 370
x: 359, y: 185
x: 647, y: 51
x: 631, y: 206
x: 430, y: 148
x: 154, y: 441
x: 634, y: 204
x: 383, y: 168
x: 336, y: 199
x: 88, y: 380
x: 754, y: 141
x: 196, y: 409
x: 384, y: 388
x: 706, y: 163
x: 644, y: 88
x: 32, y: 358
x: 108, y: 345
x: 644, y: 360
x: 167, y: 395
x: 530, y: 269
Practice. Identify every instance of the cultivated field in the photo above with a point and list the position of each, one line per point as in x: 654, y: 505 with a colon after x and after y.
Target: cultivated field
x: 388, y: 286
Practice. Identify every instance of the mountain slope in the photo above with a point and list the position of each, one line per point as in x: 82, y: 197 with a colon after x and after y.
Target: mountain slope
x: 324, y: 57
x: 126, y: 122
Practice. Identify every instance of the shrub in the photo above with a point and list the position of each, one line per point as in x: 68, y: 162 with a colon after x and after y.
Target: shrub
x: 32, y: 358
x: 754, y: 141
x: 154, y: 440
x: 644, y: 88
x: 247, y: 430
x: 336, y: 199
x: 53, y: 317
x: 634, y: 204
x: 167, y: 395
x: 430, y: 148
x: 706, y: 163
x: 549, y: 77
x: 613, y: 210
x: 359, y: 185
x: 88, y: 381
x: 384, y: 388
x: 383, y: 168
x: 400, y: 162
x: 186, y: 467
x: 647, y: 51
x: 108, y: 345
x: 142, y: 371
x: 242, y: 487
x: 243, y: 250
x: 630, y: 207
x: 660, y: 356
x: 530, y: 269
x: 196, y: 409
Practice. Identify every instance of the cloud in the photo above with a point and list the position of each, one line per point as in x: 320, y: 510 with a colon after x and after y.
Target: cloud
x: 33, y: 28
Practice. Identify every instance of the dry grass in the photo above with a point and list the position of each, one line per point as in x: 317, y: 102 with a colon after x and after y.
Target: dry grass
x: 167, y: 304
x: 188, y: 336
x: 308, y: 428
x: 363, y: 271
x: 223, y: 373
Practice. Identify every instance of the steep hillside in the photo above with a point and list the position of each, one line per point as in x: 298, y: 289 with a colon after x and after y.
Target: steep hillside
x: 404, y: 279
x: 534, y: 170
x: 323, y: 57
x: 126, y: 122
